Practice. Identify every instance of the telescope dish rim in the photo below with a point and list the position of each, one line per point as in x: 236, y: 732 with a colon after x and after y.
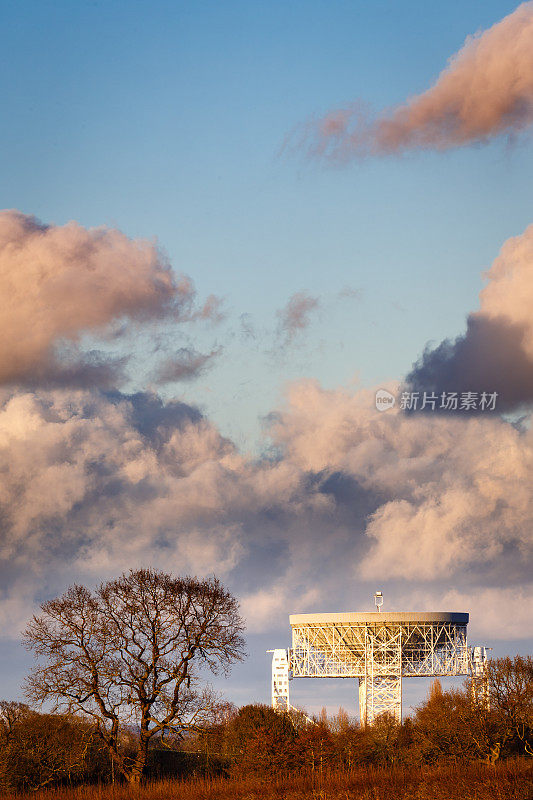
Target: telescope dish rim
x: 381, y: 618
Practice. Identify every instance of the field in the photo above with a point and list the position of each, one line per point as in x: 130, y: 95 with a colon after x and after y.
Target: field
x: 510, y: 780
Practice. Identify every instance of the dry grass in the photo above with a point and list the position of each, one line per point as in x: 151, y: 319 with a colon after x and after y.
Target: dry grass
x: 510, y: 780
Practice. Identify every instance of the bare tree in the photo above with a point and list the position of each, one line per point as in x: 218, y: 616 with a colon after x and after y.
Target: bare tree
x: 510, y: 684
x: 11, y: 712
x: 132, y: 653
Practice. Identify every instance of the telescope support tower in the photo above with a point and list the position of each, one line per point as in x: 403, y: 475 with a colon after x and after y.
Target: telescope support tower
x: 379, y: 649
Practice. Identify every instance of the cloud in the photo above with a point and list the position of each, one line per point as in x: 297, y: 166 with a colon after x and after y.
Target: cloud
x: 247, y: 327
x: 496, y: 352
x: 453, y: 495
x: 349, y: 293
x: 186, y: 364
x: 494, y: 620
x: 260, y: 607
x: 58, y: 283
x: 212, y: 310
x: 500, y: 613
x: 295, y: 317
x: 345, y: 498
x: 486, y: 90
x: 509, y: 292
x: 96, y: 482
x: 70, y: 366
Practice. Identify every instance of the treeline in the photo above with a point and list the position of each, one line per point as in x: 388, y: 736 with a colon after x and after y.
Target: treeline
x: 482, y: 722
x: 39, y: 750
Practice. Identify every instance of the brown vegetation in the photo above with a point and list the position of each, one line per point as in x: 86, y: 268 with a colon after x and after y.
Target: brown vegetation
x: 445, y: 752
x: 478, y: 723
x: 38, y: 750
x: 510, y: 780
x: 473, y: 743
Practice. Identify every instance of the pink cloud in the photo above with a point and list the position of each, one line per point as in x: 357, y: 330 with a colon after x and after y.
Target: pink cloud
x: 295, y: 316
x: 60, y: 282
x: 485, y: 90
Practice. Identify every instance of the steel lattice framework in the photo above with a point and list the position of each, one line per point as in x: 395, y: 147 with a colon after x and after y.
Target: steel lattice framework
x: 377, y: 648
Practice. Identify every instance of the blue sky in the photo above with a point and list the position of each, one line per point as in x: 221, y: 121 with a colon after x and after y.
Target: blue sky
x: 167, y: 120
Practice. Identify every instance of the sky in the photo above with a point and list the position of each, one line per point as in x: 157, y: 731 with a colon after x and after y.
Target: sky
x: 226, y: 225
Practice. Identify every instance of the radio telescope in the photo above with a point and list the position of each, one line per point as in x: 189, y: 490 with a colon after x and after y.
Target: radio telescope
x: 377, y: 647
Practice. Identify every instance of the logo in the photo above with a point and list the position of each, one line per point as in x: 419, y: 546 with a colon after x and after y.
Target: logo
x: 384, y: 400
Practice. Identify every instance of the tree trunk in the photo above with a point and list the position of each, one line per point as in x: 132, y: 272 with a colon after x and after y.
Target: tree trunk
x: 136, y: 773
